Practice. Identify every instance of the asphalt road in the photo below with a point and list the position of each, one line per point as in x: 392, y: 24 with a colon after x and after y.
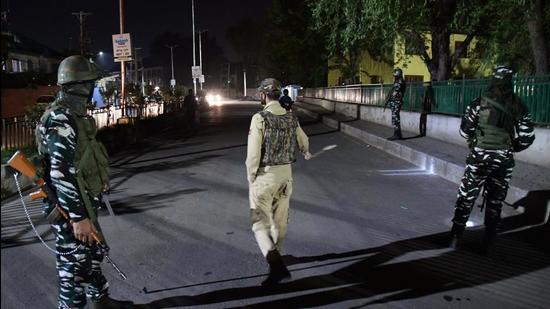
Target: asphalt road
x: 366, y: 230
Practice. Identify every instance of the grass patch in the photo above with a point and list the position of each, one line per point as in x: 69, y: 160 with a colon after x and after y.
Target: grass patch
x: 29, y: 151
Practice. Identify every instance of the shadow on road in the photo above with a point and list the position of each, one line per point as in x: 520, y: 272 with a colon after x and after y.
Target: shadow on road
x: 369, y: 275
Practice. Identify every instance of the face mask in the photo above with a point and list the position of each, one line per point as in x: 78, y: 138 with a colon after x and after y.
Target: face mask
x: 85, y: 90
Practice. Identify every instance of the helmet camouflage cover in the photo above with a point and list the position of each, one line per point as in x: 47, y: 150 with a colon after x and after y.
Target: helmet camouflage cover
x: 270, y: 85
x: 503, y: 72
x: 77, y: 69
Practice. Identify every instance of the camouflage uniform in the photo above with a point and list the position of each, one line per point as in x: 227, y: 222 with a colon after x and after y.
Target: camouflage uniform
x: 76, y: 167
x: 395, y: 101
x: 495, y: 126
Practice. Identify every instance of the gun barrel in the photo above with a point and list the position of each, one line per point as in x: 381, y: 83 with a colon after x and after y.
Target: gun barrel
x: 115, y: 267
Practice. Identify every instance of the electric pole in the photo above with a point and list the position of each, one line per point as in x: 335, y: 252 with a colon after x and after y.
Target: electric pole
x: 172, y: 81
x: 122, y: 63
x: 81, y: 19
x: 194, y: 58
x: 200, y: 51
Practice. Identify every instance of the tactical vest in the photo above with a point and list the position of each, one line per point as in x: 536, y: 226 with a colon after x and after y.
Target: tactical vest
x: 279, y: 143
x: 495, y: 128
x: 91, y: 159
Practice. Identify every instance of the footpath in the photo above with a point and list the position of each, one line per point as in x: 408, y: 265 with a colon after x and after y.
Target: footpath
x: 529, y: 182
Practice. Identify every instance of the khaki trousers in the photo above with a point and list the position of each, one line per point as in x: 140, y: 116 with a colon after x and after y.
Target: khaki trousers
x: 269, y: 197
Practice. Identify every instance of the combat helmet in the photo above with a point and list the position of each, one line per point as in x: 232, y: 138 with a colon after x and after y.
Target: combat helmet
x: 270, y: 85
x: 77, y: 69
x: 503, y: 72
x: 397, y: 72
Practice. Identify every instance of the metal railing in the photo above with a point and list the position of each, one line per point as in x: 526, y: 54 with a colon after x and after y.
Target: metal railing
x: 451, y: 97
x: 18, y: 132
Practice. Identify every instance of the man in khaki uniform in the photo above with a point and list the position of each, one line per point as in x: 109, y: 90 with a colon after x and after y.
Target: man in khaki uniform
x: 272, y: 140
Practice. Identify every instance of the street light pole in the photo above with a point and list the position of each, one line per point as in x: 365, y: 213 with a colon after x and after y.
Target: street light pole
x: 172, y: 82
x: 122, y: 63
x: 200, y: 51
x: 244, y: 77
x: 194, y: 58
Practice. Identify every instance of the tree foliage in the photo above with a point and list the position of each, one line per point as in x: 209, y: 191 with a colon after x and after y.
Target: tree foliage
x: 508, y: 31
x: 296, y: 52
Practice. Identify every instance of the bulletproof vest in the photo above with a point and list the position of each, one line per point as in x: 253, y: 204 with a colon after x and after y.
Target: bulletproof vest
x: 279, y: 143
x: 495, y: 128
x: 91, y: 159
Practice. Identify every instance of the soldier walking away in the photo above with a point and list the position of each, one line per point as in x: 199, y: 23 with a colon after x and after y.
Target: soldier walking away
x: 286, y: 101
x: 190, y: 105
x: 272, y: 141
x: 395, y: 101
x: 495, y: 125
x: 76, y: 167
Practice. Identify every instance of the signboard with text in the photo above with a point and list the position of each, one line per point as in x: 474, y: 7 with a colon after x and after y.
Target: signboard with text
x: 201, y: 79
x: 122, y: 47
x: 196, y: 71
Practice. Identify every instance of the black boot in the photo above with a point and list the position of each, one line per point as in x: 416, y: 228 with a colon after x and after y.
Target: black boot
x: 396, y: 135
x: 107, y: 302
x: 489, y: 238
x: 277, y: 269
x: 456, y: 235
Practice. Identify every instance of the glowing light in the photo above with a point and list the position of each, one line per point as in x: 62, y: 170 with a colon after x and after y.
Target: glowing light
x: 470, y: 223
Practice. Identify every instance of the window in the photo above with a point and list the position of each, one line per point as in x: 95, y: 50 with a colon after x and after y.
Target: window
x: 414, y: 78
x: 457, y: 46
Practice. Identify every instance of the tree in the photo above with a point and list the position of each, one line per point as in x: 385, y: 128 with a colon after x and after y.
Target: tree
x: 377, y: 24
x: 296, y: 53
x: 539, y: 11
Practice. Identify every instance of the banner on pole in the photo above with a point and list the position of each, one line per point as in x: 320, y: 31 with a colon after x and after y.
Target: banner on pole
x: 196, y: 71
x: 122, y: 47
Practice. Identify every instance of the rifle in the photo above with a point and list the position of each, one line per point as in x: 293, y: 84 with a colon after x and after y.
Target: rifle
x: 21, y: 164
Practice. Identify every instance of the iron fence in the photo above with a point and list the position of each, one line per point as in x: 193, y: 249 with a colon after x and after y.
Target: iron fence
x: 18, y: 132
x: 450, y: 97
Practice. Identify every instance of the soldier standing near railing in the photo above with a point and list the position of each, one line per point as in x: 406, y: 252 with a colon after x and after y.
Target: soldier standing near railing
x: 495, y: 125
x: 395, y: 101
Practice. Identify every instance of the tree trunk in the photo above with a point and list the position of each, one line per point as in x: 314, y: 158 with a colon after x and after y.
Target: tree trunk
x: 537, y: 37
x: 441, y: 58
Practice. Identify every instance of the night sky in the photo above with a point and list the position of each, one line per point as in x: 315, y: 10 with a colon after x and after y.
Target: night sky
x: 50, y: 21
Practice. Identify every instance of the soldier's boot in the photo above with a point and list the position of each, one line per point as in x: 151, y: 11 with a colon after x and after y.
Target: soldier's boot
x: 396, y: 135
x: 489, y: 239
x: 107, y: 302
x: 277, y: 269
x: 456, y: 235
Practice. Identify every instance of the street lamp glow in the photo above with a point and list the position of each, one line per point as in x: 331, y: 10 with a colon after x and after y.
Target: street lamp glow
x: 101, y: 53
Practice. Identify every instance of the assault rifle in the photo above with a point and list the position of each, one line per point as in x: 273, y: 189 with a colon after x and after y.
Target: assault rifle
x: 21, y: 164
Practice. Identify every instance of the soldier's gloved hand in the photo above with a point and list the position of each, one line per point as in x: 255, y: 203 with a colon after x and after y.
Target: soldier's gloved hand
x: 307, y: 155
x: 83, y: 230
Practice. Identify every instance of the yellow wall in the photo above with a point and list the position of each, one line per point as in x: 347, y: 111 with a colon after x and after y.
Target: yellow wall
x: 410, y: 64
x: 414, y: 65
x: 368, y: 66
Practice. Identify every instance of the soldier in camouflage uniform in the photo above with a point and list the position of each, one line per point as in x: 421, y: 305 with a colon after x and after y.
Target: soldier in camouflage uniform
x: 395, y: 101
x: 495, y: 125
x: 272, y: 140
x: 76, y: 167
